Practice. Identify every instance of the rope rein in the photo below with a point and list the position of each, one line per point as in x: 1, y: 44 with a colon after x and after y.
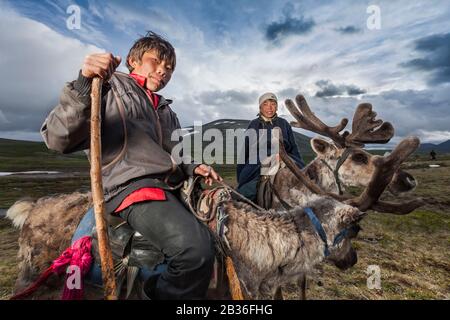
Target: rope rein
x: 223, y: 184
x: 335, y: 171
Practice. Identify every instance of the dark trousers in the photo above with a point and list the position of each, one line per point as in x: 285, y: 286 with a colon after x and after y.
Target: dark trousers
x: 249, y: 189
x: 186, y: 243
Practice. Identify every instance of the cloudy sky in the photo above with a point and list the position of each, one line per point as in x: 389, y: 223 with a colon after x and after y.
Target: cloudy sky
x: 229, y: 52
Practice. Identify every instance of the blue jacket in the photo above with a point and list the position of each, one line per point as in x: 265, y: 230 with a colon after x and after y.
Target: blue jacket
x: 248, y: 174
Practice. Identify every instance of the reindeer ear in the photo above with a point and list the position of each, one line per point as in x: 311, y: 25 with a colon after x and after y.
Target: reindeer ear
x: 351, y: 215
x: 321, y: 146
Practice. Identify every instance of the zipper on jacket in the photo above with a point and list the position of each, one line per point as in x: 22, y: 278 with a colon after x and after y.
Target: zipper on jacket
x: 174, y: 165
x: 156, y: 113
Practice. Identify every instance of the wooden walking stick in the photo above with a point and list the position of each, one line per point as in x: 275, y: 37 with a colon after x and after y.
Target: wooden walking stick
x: 233, y: 280
x: 109, y: 281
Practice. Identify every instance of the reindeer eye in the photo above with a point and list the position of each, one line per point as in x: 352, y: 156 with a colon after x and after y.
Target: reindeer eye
x: 353, y: 231
x: 360, y: 158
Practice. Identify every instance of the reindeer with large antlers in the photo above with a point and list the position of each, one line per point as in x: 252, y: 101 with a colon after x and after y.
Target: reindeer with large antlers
x: 343, y: 162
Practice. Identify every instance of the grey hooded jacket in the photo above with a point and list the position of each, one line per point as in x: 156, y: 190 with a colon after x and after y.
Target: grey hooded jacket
x: 136, y: 138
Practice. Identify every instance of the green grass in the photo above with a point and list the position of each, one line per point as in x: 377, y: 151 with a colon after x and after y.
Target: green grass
x: 8, y: 252
x: 14, y: 188
x: 29, y: 156
x: 43, y: 163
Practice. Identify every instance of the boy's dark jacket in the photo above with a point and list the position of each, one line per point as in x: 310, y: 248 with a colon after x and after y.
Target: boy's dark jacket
x: 247, y: 172
x: 136, y: 138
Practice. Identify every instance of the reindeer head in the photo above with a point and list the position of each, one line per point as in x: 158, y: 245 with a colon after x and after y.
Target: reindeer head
x: 335, y: 223
x: 353, y: 166
x: 342, y: 253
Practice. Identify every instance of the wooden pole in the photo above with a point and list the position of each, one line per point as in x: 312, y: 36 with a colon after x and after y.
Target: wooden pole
x: 233, y: 280
x: 109, y: 281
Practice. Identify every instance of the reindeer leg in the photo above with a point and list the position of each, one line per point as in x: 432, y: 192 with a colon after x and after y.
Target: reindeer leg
x: 278, y: 294
x: 302, y: 285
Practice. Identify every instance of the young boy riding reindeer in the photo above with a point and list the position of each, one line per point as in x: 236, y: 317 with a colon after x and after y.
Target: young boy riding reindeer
x: 140, y: 178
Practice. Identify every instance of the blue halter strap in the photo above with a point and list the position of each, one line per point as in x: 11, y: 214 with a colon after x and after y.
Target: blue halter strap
x: 321, y: 231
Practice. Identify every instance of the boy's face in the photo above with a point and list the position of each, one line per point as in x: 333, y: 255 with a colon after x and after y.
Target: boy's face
x: 268, y: 108
x: 158, y: 72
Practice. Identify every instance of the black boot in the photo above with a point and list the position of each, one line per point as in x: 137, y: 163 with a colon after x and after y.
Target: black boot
x: 149, y: 288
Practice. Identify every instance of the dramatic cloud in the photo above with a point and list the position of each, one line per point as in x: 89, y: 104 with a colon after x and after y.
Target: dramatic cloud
x: 436, y: 59
x: 229, y: 53
x: 55, y: 13
x: 289, y: 93
x: 288, y: 25
x: 434, y: 136
x: 416, y: 110
x: 329, y: 89
x: 230, y: 97
x: 35, y: 66
x: 423, y: 113
x: 348, y: 30
x: 353, y: 90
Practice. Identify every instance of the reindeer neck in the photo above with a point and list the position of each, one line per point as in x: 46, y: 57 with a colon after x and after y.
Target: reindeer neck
x: 309, y: 254
x: 323, y: 176
x: 314, y: 248
x: 258, y: 236
x: 295, y: 193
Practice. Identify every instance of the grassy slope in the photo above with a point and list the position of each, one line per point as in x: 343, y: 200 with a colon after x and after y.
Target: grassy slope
x: 410, y: 250
x: 8, y: 261
x: 15, y: 156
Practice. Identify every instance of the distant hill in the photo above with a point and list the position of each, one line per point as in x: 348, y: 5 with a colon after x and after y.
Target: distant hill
x: 223, y: 124
x: 22, y: 148
x: 18, y: 155
x: 9, y: 147
x: 30, y: 154
x: 443, y: 147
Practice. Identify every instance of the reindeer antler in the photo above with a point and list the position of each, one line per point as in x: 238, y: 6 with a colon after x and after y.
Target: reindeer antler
x: 385, y: 168
x: 384, y: 171
x: 307, y: 120
x: 365, y: 129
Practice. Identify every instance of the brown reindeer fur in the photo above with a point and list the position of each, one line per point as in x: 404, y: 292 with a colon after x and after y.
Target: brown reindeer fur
x: 47, y: 227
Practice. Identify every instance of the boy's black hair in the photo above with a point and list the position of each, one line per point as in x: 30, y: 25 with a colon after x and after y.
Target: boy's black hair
x: 152, y: 41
